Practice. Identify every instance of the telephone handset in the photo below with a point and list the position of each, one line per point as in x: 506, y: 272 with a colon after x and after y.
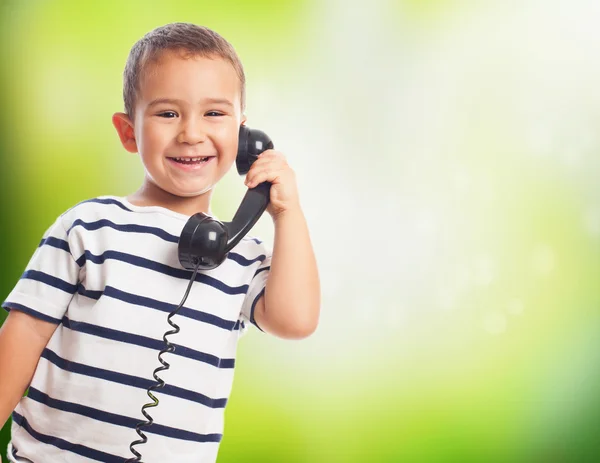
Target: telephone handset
x: 205, y: 242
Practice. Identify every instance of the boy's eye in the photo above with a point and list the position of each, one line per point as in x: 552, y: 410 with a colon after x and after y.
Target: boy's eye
x: 214, y: 113
x: 168, y: 114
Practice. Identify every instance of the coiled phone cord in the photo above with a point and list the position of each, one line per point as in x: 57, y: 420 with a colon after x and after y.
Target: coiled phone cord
x: 169, y: 348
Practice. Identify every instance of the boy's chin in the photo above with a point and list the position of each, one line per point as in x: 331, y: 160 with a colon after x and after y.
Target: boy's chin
x: 191, y: 193
x: 183, y: 190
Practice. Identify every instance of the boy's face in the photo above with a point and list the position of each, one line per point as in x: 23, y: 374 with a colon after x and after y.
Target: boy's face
x: 186, y: 122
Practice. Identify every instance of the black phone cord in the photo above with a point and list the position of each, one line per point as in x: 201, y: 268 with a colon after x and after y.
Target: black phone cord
x: 169, y: 348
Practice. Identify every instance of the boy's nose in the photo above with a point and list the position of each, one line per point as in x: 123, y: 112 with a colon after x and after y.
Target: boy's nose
x: 191, y: 133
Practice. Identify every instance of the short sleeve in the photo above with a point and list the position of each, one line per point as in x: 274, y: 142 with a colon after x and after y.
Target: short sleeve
x: 257, y: 285
x: 50, y: 279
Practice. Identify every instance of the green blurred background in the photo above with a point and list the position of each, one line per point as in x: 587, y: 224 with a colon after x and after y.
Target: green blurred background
x: 447, y: 159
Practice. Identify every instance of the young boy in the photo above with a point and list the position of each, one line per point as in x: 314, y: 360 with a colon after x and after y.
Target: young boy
x: 87, y: 317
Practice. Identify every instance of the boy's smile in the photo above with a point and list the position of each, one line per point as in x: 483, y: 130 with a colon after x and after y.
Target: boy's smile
x: 185, y: 127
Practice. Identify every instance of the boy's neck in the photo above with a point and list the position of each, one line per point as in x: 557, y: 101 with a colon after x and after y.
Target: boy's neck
x: 151, y: 195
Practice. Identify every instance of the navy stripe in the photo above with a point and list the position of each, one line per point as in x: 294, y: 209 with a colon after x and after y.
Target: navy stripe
x: 159, y: 232
x: 252, y: 320
x: 143, y: 341
x: 256, y: 240
x: 82, y: 260
x: 88, y: 292
x: 130, y: 380
x: 231, y: 256
x: 143, y: 301
x: 161, y: 268
x: 107, y: 201
x: 243, y: 261
x: 50, y: 281
x: 125, y: 208
x: 119, y: 420
x: 56, y: 243
x: 66, y: 445
x: 262, y: 270
x: 128, y: 228
x: 13, y: 305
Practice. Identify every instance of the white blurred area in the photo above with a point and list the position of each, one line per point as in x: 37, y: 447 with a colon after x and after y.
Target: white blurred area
x: 420, y: 146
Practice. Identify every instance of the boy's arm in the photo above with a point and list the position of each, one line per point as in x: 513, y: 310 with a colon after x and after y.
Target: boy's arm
x: 22, y: 340
x: 290, y: 305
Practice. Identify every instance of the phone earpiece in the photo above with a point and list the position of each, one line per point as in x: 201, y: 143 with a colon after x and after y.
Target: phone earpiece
x: 205, y: 241
x: 252, y: 142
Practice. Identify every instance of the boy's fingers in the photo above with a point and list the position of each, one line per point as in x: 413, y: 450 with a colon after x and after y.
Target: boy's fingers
x: 269, y: 160
x: 261, y: 162
x: 270, y: 154
x: 261, y: 176
x: 267, y: 165
x: 276, y: 175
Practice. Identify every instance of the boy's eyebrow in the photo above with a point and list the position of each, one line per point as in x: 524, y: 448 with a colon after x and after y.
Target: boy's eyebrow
x: 224, y: 101
x: 176, y: 101
x: 164, y: 100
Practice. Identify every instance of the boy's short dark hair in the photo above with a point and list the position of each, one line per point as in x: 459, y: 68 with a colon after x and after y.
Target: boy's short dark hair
x: 185, y: 37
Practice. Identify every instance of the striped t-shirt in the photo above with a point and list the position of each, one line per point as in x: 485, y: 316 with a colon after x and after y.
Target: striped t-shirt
x: 107, y: 272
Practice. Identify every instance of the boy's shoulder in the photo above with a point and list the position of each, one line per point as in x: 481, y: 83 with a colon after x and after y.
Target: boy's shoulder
x: 98, y: 203
x: 98, y: 207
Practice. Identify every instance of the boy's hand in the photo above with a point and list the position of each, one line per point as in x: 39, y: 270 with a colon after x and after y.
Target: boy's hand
x: 271, y: 166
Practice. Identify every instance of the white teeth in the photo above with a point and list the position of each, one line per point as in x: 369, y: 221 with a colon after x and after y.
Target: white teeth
x: 192, y: 159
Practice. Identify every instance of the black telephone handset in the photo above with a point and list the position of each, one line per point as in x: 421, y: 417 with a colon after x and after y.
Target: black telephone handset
x: 205, y: 242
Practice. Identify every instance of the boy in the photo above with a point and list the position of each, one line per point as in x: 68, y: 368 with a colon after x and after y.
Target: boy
x: 87, y: 317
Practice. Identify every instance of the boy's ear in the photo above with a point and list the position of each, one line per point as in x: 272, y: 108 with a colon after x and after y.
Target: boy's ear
x: 125, y: 130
